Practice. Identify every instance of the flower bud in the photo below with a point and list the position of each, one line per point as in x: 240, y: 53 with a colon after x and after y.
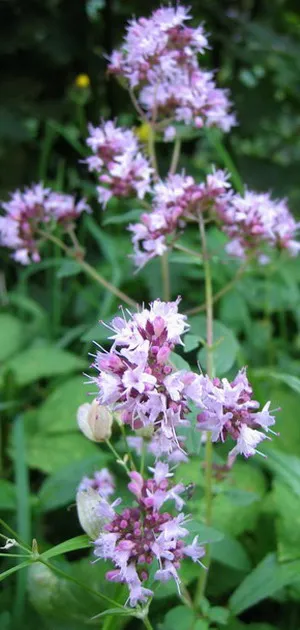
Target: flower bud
x: 95, y: 421
x: 88, y: 503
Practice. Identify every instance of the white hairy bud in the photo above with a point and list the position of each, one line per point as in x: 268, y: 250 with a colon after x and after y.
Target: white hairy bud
x: 95, y: 421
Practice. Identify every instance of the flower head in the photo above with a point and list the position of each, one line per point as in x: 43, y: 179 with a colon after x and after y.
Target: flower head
x: 136, y: 376
x: 26, y: 213
x: 228, y: 408
x: 175, y: 200
x: 122, y: 169
x: 137, y: 535
x: 159, y: 59
x: 253, y: 220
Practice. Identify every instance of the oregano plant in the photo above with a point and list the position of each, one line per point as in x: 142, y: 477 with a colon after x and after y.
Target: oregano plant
x: 151, y: 409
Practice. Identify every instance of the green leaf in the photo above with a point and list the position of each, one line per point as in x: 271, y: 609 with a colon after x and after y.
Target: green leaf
x: 68, y: 268
x: 234, y: 311
x: 181, y: 617
x: 7, y: 495
x: 289, y: 379
x: 287, y: 505
x: 58, y: 413
x: 191, y: 342
x: 218, y: 614
x: 225, y: 347
x: 241, y: 497
x: 79, y: 542
x: 41, y: 361
x: 286, y: 467
x: 178, y: 362
x: 11, y: 335
x: 206, y: 534
x: 123, y: 612
x: 60, y: 488
x: 125, y: 217
x: 231, y: 553
x: 49, y: 453
x: 201, y: 624
x: 230, y: 516
x: 263, y: 582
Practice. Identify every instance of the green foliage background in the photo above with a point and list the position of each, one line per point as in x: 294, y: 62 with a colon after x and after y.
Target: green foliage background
x: 50, y: 312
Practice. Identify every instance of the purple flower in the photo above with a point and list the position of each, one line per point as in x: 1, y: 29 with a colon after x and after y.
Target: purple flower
x: 136, y: 377
x: 138, y: 535
x: 121, y: 168
x: 228, y: 408
x: 159, y: 59
x: 175, y: 200
x: 36, y: 208
x: 253, y: 220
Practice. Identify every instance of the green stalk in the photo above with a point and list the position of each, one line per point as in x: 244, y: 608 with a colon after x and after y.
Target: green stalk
x: 208, y: 490
x: 23, y: 515
x: 117, y: 456
x: 89, y: 270
x: 147, y: 623
x: 165, y: 272
x: 175, y: 156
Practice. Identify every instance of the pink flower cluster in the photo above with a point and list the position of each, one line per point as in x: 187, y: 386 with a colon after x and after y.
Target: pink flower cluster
x: 255, y: 219
x: 122, y: 169
x: 136, y: 376
x: 27, y: 212
x: 176, y: 199
x: 228, y: 409
x: 137, y: 536
x: 159, y: 59
x: 102, y: 481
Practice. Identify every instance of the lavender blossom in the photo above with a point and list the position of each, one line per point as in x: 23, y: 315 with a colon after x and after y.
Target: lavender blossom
x: 122, y: 169
x: 136, y: 376
x: 253, y: 220
x: 37, y: 208
x: 228, y: 408
x: 159, y: 59
x: 137, y: 536
x: 175, y: 200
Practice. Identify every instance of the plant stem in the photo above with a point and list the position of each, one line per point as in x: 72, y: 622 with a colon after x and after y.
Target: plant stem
x: 165, y: 276
x: 223, y: 291
x: 208, y: 298
x: 23, y: 513
x: 137, y: 107
x: 147, y: 623
x: 89, y: 270
x: 152, y: 152
x: 117, y: 456
x: 175, y: 157
x: 208, y: 494
x: 190, y: 252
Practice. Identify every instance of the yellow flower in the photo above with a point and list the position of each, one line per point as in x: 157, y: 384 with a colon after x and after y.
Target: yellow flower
x: 82, y: 81
x: 143, y: 132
